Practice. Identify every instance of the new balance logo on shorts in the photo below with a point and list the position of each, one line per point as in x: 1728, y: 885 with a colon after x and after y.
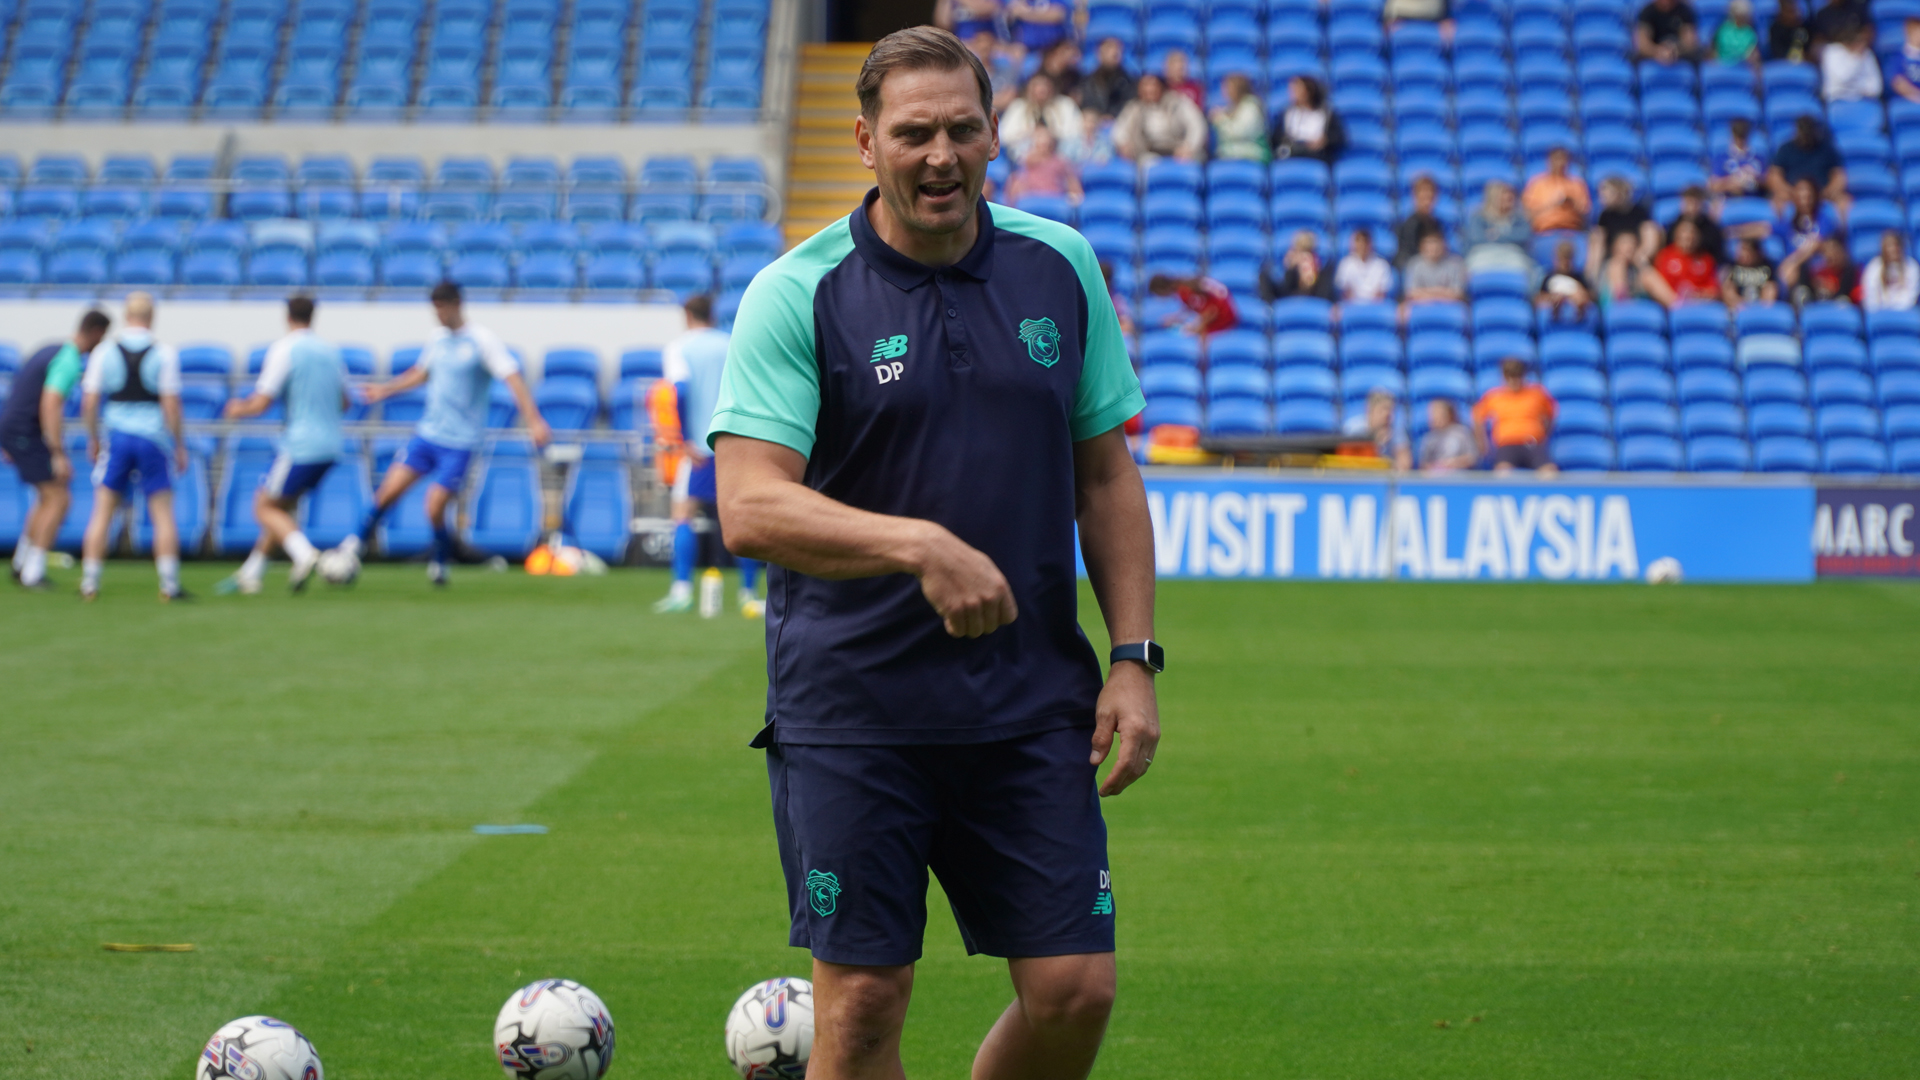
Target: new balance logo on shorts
x: 1103, y: 900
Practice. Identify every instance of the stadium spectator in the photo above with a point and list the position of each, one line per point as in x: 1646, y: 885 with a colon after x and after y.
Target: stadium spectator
x: 1749, y: 279
x: 1435, y: 275
x: 1109, y: 89
x: 1520, y: 415
x: 1041, y: 106
x: 1806, y: 220
x: 1302, y: 271
x: 1039, y: 25
x: 1836, y: 22
x: 1211, y: 302
x: 1623, y: 276
x: 1044, y: 172
x: 1809, y: 155
x: 1906, y: 71
x: 968, y: 18
x: 1496, y: 233
x: 1619, y: 212
x: 1240, y: 125
x: 1735, y: 40
x: 1564, y: 294
x: 1448, y: 445
x: 1381, y: 424
x: 1892, y: 279
x: 1557, y: 201
x: 1685, y: 271
x: 1788, y: 38
x: 1434, y: 11
x: 1820, y: 271
x: 1002, y: 62
x: 1157, y: 124
x: 1417, y: 224
x: 1363, y: 277
x: 1062, y: 65
x: 1693, y: 208
x: 1739, y: 170
x: 1176, y: 72
x: 1309, y: 128
x: 1666, y: 32
x: 1848, y: 69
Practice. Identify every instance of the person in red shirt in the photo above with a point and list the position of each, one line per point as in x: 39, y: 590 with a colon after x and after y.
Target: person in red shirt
x: 1175, y: 73
x: 1521, y: 416
x: 1205, y: 297
x: 1684, y: 271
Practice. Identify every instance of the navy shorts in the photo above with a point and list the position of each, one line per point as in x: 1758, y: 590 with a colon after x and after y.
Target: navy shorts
x: 443, y: 465
x: 1531, y: 455
x: 1013, y: 829
x: 29, y: 454
x: 288, y: 480
x: 128, y: 456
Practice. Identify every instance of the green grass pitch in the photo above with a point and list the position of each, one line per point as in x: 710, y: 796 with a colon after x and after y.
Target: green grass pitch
x: 1395, y: 831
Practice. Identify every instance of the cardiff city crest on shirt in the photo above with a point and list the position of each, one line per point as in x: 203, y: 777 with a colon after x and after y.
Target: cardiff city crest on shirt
x: 823, y: 891
x: 1043, y: 341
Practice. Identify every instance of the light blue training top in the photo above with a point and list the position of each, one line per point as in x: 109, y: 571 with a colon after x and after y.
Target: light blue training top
x: 307, y: 373
x: 461, y: 367
x: 693, y: 362
x: 107, y: 374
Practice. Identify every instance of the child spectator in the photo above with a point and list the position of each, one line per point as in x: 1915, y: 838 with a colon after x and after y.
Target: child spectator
x: 1623, y: 276
x: 1738, y: 170
x: 1820, y: 271
x: 1688, y: 271
x: 1240, y: 126
x: 1209, y: 300
x: 1564, y: 295
x: 1302, y: 272
x: 1448, y: 445
x: 1736, y: 41
x: 1848, y: 69
x: 1749, y: 279
x: 1521, y: 416
x: 1363, y: 277
x: 1892, y: 280
x: 1044, y: 172
x: 1906, y: 72
x: 1806, y: 219
x: 1693, y: 208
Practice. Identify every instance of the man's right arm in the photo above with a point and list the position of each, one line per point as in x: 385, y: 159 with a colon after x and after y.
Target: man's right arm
x: 767, y: 513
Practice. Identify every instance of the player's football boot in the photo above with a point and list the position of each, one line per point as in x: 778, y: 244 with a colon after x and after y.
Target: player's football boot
x: 673, y: 602
x: 751, y: 606
x: 235, y: 585
x: 177, y: 595
x: 302, y: 571
x: 437, y: 575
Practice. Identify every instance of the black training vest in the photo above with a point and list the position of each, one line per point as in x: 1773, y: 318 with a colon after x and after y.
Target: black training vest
x: 135, y: 388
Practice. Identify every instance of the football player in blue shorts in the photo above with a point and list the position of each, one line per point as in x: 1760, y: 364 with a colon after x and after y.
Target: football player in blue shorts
x: 922, y: 404
x: 457, y: 367
x: 137, y: 380
x: 692, y: 364
x: 308, y: 372
x: 33, y: 440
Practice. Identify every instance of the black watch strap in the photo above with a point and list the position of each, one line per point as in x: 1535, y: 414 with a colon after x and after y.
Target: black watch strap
x: 1146, y: 652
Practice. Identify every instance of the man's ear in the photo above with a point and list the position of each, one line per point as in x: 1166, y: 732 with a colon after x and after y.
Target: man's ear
x: 863, y: 139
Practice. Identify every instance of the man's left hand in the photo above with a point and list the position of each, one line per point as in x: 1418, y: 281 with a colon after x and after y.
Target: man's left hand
x: 540, y: 432
x: 1128, y: 712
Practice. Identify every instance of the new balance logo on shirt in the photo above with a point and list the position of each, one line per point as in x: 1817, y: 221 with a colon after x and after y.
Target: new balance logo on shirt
x: 889, y: 348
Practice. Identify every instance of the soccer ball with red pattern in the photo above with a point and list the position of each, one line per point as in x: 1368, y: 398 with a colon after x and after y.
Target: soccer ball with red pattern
x: 258, y: 1048
x: 554, y: 1029
x: 770, y: 1030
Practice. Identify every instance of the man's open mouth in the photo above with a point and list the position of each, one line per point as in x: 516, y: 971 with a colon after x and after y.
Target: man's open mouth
x: 939, y: 189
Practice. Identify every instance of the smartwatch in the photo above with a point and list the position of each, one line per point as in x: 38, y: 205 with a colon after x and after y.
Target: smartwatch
x: 1147, y: 652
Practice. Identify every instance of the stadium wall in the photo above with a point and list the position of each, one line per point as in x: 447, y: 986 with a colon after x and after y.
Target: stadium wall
x: 1308, y: 526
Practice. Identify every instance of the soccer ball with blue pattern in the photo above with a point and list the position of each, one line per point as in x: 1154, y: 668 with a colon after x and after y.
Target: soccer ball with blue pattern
x: 338, y: 566
x: 554, y: 1029
x: 770, y: 1030
x: 258, y: 1048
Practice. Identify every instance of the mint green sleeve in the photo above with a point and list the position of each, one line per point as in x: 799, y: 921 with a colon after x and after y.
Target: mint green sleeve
x: 770, y: 389
x: 63, y: 372
x: 1108, y: 394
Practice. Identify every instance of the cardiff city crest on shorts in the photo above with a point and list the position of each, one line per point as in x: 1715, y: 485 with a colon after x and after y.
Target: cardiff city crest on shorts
x: 1043, y: 340
x: 823, y: 892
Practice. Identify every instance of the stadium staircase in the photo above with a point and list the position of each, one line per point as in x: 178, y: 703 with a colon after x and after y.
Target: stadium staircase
x: 825, y: 179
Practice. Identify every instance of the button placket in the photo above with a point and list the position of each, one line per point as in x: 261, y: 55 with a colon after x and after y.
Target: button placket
x: 956, y: 327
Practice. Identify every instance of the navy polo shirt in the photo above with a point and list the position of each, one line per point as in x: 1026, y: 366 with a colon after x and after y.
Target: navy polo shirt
x: 953, y: 395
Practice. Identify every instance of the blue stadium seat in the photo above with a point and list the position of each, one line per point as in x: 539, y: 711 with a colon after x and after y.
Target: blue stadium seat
x: 1579, y: 417
x: 244, y: 464
x: 1853, y: 456
x: 599, y: 505
x: 506, y: 516
x: 1305, y: 415
x: 335, y: 508
x: 1583, y: 453
x: 1718, y: 453
x: 1650, y: 453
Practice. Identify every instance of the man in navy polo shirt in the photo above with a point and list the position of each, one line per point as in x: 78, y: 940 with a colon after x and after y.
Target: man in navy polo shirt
x: 31, y: 438
x: 919, y: 405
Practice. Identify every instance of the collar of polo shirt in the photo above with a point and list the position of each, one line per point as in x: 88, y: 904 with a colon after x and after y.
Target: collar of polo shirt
x: 906, y: 274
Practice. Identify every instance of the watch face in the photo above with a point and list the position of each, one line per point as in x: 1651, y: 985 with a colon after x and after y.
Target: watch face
x: 1156, y: 656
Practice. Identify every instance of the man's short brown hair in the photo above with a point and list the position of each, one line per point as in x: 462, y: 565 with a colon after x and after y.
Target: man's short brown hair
x: 917, y: 48
x: 699, y: 307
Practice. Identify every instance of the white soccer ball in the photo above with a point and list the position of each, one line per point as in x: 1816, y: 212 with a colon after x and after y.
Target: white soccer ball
x: 554, y: 1029
x: 1664, y: 571
x: 770, y: 1030
x: 258, y: 1048
x: 339, y: 566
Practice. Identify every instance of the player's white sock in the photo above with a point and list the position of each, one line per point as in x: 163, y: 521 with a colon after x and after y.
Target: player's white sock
x: 255, y: 567
x: 34, y: 569
x: 299, y: 548
x: 351, y: 545
x: 680, y: 590
x: 169, y: 567
x: 20, y: 554
x: 90, y: 574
